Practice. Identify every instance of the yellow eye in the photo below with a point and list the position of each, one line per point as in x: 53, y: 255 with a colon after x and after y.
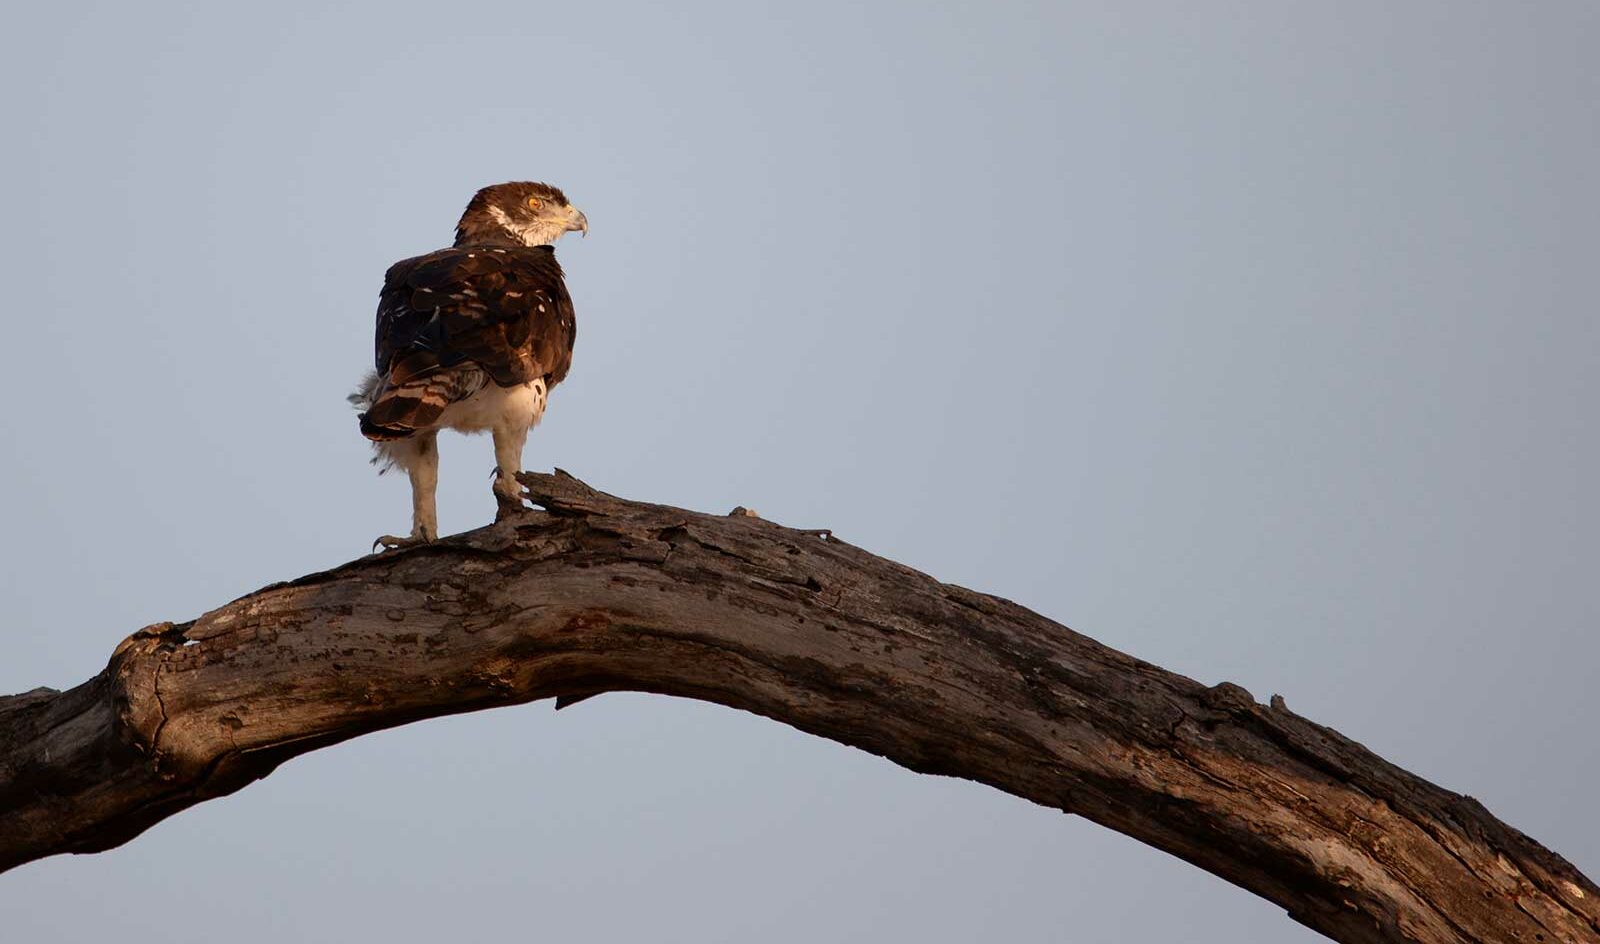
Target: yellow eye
x: 534, y: 203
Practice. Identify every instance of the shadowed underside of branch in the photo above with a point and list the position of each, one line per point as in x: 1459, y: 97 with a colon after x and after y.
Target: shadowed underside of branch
x: 598, y: 594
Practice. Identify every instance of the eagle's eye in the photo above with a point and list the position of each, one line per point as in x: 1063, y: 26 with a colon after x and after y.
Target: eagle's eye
x: 534, y: 203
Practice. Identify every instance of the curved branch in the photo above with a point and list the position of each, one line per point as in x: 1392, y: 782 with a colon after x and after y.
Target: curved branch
x: 601, y: 594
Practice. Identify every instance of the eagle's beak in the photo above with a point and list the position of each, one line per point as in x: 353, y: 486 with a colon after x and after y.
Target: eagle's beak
x: 577, y: 222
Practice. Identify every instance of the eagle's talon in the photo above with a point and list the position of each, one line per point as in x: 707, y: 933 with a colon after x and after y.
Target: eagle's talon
x: 389, y: 542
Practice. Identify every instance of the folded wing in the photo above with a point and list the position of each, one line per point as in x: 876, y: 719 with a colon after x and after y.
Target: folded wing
x: 453, y: 320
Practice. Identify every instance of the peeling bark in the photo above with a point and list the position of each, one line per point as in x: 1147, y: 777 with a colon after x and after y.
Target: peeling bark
x: 599, y: 594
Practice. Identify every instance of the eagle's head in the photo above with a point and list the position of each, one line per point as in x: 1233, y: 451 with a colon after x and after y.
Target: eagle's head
x: 518, y: 214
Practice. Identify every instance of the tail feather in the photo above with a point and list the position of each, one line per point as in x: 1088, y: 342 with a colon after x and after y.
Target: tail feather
x: 397, y: 411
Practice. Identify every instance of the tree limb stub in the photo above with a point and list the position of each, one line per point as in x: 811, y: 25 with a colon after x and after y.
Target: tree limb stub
x: 600, y: 594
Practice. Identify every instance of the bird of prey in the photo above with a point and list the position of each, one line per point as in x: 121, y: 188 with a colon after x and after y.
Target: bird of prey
x: 471, y: 338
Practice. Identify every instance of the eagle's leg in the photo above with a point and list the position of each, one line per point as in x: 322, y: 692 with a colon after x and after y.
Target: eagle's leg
x: 508, y: 442
x: 419, y: 456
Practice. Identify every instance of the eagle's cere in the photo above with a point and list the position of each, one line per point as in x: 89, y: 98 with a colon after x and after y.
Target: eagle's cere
x: 472, y: 338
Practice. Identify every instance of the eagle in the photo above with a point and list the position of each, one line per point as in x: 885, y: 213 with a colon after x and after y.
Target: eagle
x: 471, y: 338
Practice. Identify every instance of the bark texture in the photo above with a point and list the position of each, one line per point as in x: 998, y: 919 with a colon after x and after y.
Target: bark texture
x: 600, y: 594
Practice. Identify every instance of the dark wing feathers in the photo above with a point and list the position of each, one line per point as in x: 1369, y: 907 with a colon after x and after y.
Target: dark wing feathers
x: 500, y: 312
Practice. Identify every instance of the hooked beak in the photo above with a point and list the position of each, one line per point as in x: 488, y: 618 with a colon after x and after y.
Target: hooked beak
x: 577, y: 222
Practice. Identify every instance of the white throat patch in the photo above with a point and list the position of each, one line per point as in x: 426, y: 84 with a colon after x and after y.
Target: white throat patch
x: 541, y: 233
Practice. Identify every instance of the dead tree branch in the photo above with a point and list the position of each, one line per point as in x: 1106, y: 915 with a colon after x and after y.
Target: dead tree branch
x: 601, y: 594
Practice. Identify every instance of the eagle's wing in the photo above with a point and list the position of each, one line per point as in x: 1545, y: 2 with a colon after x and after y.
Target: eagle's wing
x: 454, y: 319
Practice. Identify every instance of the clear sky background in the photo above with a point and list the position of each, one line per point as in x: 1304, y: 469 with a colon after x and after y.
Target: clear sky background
x: 1255, y: 339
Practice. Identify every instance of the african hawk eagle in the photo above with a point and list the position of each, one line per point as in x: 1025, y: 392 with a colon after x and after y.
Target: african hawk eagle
x: 472, y: 338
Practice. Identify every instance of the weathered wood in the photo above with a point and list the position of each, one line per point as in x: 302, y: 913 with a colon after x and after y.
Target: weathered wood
x: 601, y: 594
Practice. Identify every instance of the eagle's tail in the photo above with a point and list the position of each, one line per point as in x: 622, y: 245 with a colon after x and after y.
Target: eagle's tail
x: 393, y: 446
x: 396, y: 411
x: 363, y: 399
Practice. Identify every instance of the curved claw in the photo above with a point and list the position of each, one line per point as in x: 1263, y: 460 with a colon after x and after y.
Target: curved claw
x: 390, y: 543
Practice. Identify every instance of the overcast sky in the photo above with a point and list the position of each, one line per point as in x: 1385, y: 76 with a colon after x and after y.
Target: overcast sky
x: 1255, y: 339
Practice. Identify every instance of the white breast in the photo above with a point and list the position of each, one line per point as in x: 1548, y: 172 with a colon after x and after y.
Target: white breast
x: 497, y: 407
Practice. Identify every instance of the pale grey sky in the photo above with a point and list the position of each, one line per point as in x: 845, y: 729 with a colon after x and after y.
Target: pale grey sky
x: 1255, y: 339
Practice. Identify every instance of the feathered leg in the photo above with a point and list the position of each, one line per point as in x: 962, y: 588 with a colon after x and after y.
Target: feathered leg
x: 508, y: 443
x: 419, y: 456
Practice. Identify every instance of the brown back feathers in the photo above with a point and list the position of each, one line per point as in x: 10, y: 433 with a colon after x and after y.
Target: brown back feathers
x: 453, y: 320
